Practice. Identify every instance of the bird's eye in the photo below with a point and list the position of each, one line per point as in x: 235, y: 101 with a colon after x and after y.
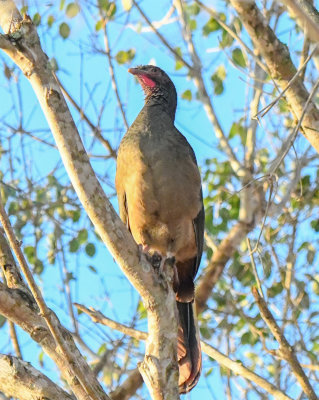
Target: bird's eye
x: 153, y: 69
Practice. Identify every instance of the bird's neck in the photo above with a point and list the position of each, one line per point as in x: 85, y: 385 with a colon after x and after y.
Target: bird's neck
x: 158, y: 102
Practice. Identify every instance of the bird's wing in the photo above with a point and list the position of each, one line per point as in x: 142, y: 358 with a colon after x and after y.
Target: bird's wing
x: 199, y: 226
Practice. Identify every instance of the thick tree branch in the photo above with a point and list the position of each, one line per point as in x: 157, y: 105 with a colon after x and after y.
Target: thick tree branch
x: 222, y: 359
x: 19, y: 379
x: 129, y: 387
x: 160, y: 363
x: 25, y: 313
x: 285, y: 351
x: 86, y: 380
x: 277, y: 58
x: 225, y: 251
x: 307, y: 16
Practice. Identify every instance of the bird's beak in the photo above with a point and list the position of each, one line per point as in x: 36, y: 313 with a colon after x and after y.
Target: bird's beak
x: 135, y: 71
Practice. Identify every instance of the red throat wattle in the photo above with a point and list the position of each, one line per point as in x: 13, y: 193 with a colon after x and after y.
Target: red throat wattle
x: 147, y: 81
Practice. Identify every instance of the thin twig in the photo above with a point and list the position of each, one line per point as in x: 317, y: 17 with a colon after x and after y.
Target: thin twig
x: 96, y: 131
x: 232, y: 34
x: 113, y: 78
x: 162, y: 38
x: 292, y: 138
x: 266, y: 109
x: 286, y: 351
x: 254, y: 268
x: 14, y: 340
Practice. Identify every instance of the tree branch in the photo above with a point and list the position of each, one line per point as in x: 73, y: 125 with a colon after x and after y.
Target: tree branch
x: 96, y: 131
x: 19, y: 379
x: 286, y: 351
x: 25, y: 313
x: 222, y: 359
x: 112, y: 74
x: 88, y: 381
x: 277, y: 58
x: 307, y: 16
x: 129, y: 387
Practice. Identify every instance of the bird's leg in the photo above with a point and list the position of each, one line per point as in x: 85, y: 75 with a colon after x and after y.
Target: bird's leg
x: 155, y: 259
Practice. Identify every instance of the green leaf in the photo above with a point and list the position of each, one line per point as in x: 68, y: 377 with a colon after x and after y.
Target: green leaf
x: 141, y: 310
x: 64, y: 30
x: 13, y: 208
x: 36, y: 19
x: 38, y: 267
x: 192, y: 9
x: 187, y: 95
x: 40, y: 358
x: 192, y: 24
x: 102, y: 349
x: 74, y: 245
x: 238, y: 129
x: 315, y: 225
x: 238, y: 57
x: 72, y: 10
x: 2, y: 320
x: 93, y: 269
x: 227, y: 39
x: 123, y: 57
x: 211, y: 26
x: 83, y: 236
x: 99, y: 25
x: 75, y: 215
x: 50, y: 20
x: 283, y: 105
x: 70, y: 277
x: 24, y: 10
x: 90, y: 249
x: 218, y: 78
x: 62, y: 3
x: 275, y: 289
x: 29, y: 251
x: 179, y: 64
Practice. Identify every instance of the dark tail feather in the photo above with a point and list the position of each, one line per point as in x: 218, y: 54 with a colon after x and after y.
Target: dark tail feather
x: 188, y: 348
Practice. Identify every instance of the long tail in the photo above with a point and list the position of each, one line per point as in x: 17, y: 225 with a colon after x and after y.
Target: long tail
x: 188, y: 348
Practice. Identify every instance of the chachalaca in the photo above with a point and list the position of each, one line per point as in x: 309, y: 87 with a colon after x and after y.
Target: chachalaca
x: 160, y: 200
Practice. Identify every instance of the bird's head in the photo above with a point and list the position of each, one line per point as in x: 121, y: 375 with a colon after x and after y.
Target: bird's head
x: 156, y: 84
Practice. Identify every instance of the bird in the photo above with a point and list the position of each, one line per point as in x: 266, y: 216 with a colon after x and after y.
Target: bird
x: 160, y: 200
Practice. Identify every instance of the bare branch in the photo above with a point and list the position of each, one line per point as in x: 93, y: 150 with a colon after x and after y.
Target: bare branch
x: 286, y: 351
x: 216, y: 264
x: 97, y: 316
x: 96, y: 131
x: 19, y: 379
x: 112, y: 74
x: 196, y: 72
x: 25, y: 313
x: 222, y: 359
x: 129, y: 387
x: 278, y: 60
x: 14, y: 339
x: 88, y: 381
x: 162, y: 38
x: 307, y: 16
x: 239, y: 369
